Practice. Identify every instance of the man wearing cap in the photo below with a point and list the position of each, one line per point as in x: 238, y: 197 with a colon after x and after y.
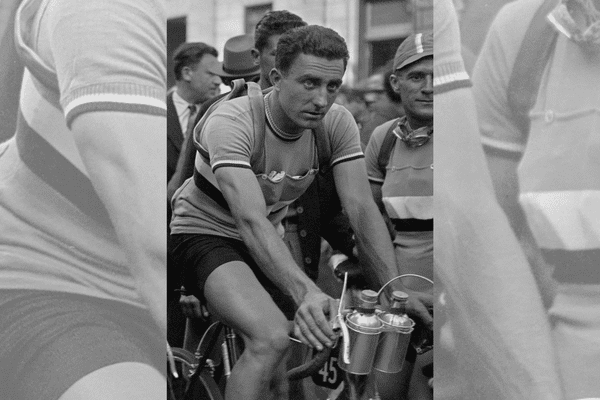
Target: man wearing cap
x: 403, y: 187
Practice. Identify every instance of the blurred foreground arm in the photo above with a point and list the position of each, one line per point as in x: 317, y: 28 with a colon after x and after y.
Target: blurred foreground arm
x: 125, y: 156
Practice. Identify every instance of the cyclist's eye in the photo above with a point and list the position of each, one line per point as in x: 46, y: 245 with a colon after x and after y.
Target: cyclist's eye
x: 309, y: 84
x: 333, y: 87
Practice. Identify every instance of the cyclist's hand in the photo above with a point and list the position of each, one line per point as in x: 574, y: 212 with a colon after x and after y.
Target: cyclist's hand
x: 191, y: 307
x: 419, y: 307
x: 311, y: 324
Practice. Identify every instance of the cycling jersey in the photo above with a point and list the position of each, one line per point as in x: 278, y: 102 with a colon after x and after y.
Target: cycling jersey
x: 50, y: 237
x: 288, y: 166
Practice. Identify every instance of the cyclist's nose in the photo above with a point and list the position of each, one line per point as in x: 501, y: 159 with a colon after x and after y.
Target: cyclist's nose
x: 320, y: 97
x: 428, y: 86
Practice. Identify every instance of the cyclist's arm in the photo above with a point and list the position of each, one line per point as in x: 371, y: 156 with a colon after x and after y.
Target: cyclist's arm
x: 374, y: 244
x: 125, y: 155
x: 247, y: 205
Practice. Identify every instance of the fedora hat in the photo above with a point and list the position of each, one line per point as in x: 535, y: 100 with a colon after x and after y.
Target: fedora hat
x: 237, y: 59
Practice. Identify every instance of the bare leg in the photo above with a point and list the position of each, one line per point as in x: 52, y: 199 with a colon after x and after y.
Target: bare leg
x: 122, y: 381
x: 280, y: 385
x: 235, y: 296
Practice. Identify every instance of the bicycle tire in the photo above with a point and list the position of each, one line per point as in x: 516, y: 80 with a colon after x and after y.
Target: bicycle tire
x: 204, y: 388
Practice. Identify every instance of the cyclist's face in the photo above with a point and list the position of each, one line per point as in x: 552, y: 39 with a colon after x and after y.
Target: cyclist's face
x: 308, y: 89
x: 414, y: 83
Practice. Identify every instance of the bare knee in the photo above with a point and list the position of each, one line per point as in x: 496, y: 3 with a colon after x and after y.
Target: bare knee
x: 270, y: 342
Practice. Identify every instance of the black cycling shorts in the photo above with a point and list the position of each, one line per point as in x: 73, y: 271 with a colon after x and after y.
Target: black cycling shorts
x: 197, y: 256
x: 48, y: 341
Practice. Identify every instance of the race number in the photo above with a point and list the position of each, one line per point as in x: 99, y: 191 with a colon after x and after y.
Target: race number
x: 330, y: 375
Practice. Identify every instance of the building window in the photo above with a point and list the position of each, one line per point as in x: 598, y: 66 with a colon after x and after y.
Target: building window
x: 254, y: 14
x: 384, y: 24
x: 388, y: 19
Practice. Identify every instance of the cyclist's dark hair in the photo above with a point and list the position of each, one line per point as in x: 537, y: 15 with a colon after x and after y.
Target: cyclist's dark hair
x: 274, y: 23
x: 312, y: 40
x: 189, y: 54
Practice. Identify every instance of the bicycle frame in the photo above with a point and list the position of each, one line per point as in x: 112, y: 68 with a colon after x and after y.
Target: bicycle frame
x: 230, y: 351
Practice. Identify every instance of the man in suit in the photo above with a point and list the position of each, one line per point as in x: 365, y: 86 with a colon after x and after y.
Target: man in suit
x: 195, y: 84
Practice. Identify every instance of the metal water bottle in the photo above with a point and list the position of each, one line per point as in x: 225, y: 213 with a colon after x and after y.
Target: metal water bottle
x: 363, y: 334
x: 395, y: 335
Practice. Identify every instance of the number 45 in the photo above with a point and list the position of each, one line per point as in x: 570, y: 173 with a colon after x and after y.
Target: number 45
x: 329, y: 371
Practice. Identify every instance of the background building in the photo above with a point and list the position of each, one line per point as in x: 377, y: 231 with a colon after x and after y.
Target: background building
x: 373, y: 29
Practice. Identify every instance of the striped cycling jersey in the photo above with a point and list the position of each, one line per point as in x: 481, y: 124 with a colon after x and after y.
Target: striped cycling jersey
x: 287, y: 165
x: 407, y: 181
x: 55, y: 234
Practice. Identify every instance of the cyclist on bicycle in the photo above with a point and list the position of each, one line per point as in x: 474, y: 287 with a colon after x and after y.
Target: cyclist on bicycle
x: 226, y: 220
x: 402, y: 184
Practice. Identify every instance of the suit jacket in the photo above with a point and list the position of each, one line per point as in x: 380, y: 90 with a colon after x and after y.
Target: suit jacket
x: 174, y: 137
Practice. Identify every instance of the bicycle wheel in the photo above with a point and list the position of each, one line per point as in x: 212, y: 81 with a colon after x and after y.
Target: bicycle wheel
x: 203, y: 388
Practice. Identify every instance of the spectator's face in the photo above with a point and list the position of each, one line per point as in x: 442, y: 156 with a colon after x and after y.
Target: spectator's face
x: 357, y: 108
x: 308, y: 90
x: 266, y: 58
x: 204, y: 84
x: 414, y: 83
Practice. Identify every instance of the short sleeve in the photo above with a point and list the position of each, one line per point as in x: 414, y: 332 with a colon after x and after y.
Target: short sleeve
x: 345, y: 139
x: 228, y: 135
x: 374, y: 172
x: 109, y: 55
x: 491, y: 75
x: 448, y: 66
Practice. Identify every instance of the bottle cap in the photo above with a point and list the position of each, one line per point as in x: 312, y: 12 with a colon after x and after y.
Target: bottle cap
x: 368, y: 297
x: 400, y: 296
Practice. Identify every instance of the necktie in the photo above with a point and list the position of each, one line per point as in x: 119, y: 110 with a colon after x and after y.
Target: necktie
x: 190, y: 125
